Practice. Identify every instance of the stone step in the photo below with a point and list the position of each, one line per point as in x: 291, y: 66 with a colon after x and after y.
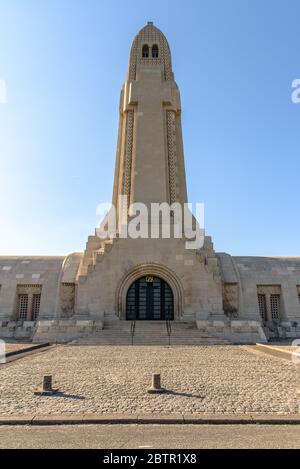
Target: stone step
x: 150, y: 333
x: 119, y: 340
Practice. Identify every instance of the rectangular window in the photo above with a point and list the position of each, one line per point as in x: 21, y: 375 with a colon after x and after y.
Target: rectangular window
x: 36, y: 302
x: 28, y: 301
x: 22, y: 307
x: 275, y: 306
x: 262, y: 303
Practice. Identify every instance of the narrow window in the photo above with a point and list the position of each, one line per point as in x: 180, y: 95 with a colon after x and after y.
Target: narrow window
x: 22, y: 307
x: 275, y: 306
x: 262, y: 306
x: 36, y: 302
x: 145, y: 52
x: 155, y: 51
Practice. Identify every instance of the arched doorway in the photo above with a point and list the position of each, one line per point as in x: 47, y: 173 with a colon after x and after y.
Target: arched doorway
x: 149, y: 298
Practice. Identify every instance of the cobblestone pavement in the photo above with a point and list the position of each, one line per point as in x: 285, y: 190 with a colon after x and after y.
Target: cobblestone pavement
x: 100, y: 379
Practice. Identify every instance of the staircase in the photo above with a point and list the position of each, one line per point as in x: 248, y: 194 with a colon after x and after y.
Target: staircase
x: 94, y: 253
x: 149, y: 333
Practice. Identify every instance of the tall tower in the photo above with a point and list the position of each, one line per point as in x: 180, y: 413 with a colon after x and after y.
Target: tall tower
x: 150, y: 162
x: 145, y: 278
x: 148, y: 277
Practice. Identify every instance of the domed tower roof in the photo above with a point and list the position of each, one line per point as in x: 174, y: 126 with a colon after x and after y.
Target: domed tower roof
x: 150, y: 39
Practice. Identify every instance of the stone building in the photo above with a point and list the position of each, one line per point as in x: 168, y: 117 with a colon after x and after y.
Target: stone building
x: 118, y: 281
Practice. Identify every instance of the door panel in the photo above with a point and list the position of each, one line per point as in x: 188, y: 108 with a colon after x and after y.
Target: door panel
x: 149, y: 298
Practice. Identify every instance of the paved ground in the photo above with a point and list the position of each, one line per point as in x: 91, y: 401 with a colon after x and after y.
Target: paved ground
x: 211, y: 379
x: 152, y: 436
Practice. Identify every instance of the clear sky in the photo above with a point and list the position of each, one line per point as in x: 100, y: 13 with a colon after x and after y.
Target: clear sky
x: 63, y: 63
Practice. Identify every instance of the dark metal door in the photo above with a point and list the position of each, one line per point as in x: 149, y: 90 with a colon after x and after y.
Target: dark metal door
x: 149, y: 298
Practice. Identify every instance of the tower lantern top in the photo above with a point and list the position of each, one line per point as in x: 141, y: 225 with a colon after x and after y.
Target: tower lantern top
x: 150, y: 47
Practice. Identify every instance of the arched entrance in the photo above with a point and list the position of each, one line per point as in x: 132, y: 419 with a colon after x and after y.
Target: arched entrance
x: 149, y: 298
x: 143, y: 270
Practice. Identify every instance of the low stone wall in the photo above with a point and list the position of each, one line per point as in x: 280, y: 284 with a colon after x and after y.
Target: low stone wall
x: 65, y: 330
x: 62, y: 330
x: 289, y: 330
x: 286, y: 352
x: 17, y: 329
x: 237, y: 331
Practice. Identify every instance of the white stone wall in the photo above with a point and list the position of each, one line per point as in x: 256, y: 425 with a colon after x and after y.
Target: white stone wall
x: 197, y: 274
x: 16, y: 271
x: 250, y: 272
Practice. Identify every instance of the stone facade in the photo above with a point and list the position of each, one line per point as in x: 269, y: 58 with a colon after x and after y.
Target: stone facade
x: 242, y: 299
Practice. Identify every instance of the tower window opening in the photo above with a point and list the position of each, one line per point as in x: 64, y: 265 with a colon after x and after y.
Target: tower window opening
x: 155, y: 51
x: 145, y: 52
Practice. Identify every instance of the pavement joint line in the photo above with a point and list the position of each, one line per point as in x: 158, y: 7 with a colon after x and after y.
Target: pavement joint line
x: 148, y: 419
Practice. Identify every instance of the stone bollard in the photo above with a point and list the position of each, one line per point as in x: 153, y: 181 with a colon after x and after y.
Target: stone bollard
x: 156, y: 386
x: 46, y: 389
x: 47, y: 383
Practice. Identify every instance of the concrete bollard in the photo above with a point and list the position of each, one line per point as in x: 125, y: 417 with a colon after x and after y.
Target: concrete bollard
x: 46, y: 389
x: 156, y: 385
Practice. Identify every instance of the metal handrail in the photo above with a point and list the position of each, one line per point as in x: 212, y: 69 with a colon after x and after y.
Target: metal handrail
x: 132, y: 330
x: 169, y: 330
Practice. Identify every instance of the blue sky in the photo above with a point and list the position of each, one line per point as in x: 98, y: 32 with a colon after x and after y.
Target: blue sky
x: 64, y: 62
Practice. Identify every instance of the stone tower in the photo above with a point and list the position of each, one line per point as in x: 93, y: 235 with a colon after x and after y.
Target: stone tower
x: 120, y: 279
x: 149, y: 168
x: 133, y: 279
x: 150, y: 162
